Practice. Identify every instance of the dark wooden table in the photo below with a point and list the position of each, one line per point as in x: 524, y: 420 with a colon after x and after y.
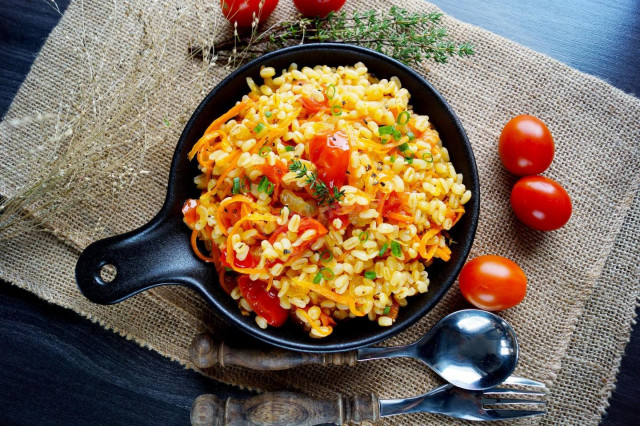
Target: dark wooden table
x: 58, y: 368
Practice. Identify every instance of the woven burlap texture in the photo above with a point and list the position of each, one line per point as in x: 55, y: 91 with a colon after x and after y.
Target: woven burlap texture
x: 583, y: 279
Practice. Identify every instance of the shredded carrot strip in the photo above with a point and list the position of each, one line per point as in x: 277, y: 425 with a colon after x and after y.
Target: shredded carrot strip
x: 443, y: 253
x: 196, y: 250
x: 400, y: 217
x: 312, y: 323
x: 237, y: 109
x: 232, y: 164
x: 422, y: 248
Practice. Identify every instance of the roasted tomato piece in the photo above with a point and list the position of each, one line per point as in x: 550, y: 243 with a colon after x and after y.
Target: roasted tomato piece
x: 264, y: 303
x: 330, y: 153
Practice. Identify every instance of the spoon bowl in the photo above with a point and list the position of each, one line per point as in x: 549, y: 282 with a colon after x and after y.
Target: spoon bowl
x: 471, y: 349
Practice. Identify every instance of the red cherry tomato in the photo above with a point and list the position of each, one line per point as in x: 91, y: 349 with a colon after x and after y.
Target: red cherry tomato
x: 492, y: 283
x: 541, y: 203
x: 526, y: 146
x: 264, y: 303
x: 242, y: 11
x: 330, y: 153
x: 319, y: 8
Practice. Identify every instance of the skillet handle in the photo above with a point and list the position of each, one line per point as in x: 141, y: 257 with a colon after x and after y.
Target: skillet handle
x: 159, y: 253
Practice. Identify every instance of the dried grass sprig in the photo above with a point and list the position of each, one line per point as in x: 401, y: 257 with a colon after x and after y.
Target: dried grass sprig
x: 111, y: 114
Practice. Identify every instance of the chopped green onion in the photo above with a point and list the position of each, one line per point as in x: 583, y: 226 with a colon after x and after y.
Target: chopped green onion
x: 385, y: 130
x: 236, y: 186
x: 268, y: 114
x: 324, y: 258
x: 288, y: 148
x: 265, y: 185
x: 397, y: 135
x: 403, y: 118
x: 392, y: 158
x: 317, y: 278
x: 328, y: 276
x: 330, y: 91
x: 409, y: 160
x: 396, y: 250
x: 363, y: 236
x: 386, y: 310
x: 430, y: 160
x: 264, y: 151
x: 370, y: 275
x: 336, y: 110
x: 383, y: 250
x: 403, y: 147
x: 411, y: 136
x: 258, y: 128
x: 226, y: 268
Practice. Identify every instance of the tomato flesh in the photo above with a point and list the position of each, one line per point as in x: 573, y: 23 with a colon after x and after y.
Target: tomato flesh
x: 313, y: 105
x: 242, y: 11
x: 541, y: 203
x: 264, y: 303
x: 189, y: 211
x: 330, y: 153
x: 526, y: 146
x: 249, y: 262
x: 319, y: 8
x: 493, y: 283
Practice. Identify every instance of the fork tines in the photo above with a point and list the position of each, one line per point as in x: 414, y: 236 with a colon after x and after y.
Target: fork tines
x: 504, y: 403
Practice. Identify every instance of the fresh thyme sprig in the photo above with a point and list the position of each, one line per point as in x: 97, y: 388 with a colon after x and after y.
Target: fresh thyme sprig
x: 405, y: 36
x: 320, y: 190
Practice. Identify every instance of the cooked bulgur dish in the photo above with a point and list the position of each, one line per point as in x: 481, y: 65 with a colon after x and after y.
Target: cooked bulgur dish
x: 324, y: 197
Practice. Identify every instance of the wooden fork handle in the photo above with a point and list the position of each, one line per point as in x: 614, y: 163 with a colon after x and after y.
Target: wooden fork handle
x: 206, y: 352
x: 283, y: 409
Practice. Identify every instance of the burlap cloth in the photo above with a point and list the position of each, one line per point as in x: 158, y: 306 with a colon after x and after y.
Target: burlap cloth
x: 583, y: 279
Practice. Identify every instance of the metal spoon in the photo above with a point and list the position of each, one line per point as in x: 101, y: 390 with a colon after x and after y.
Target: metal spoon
x: 471, y: 349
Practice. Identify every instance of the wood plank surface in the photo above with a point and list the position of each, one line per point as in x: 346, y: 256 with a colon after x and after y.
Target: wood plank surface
x: 58, y: 368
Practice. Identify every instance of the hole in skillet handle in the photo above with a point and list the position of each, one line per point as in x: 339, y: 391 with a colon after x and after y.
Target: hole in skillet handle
x: 426, y: 100
x: 107, y: 273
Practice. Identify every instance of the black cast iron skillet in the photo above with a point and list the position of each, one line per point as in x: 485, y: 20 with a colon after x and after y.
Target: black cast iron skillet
x: 159, y: 253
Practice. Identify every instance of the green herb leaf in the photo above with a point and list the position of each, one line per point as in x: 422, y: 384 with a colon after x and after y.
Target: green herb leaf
x: 370, y: 275
x: 396, y: 250
x: 387, y: 309
x: 288, y: 148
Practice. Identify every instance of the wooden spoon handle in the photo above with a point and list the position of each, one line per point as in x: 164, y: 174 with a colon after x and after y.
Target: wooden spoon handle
x: 283, y: 408
x: 206, y: 352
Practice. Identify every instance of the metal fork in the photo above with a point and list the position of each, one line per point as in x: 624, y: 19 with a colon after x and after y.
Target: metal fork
x: 289, y: 408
